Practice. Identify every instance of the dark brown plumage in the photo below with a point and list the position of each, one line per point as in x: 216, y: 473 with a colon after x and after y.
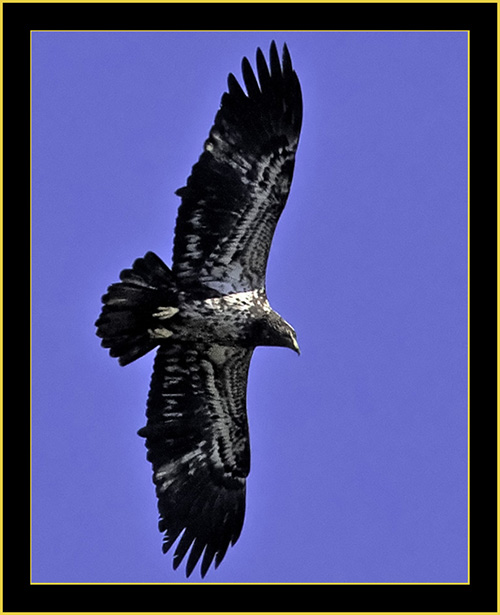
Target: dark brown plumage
x: 209, y: 312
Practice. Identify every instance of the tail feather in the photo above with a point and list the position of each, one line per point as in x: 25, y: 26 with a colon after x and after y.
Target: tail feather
x: 127, y: 320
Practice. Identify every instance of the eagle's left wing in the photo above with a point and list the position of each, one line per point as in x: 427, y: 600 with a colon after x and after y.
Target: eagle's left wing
x: 197, y: 440
x: 239, y: 186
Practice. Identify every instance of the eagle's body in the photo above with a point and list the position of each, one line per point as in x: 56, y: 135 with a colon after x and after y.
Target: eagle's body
x: 238, y: 319
x: 210, y: 310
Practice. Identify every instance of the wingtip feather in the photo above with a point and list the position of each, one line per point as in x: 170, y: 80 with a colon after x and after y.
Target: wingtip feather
x: 234, y: 87
x: 249, y: 79
x: 274, y: 61
x: 287, y: 60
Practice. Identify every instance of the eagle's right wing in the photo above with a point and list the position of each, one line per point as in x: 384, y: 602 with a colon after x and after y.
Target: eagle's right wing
x: 239, y: 186
x: 197, y: 440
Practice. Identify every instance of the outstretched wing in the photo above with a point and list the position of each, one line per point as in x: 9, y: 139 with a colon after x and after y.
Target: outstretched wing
x: 197, y: 440
x: 239, y: 186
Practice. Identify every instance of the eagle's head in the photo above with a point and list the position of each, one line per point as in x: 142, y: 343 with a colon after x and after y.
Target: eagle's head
x: 290, y: 337
x: 273, y: 330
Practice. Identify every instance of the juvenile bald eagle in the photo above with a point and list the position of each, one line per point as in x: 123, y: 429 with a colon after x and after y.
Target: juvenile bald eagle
x: 209, y: 311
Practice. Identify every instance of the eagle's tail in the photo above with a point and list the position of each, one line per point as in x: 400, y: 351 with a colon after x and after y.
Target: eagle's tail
x: 136, y: 310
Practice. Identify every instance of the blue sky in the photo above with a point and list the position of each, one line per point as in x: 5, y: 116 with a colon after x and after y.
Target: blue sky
x: 359, y: 446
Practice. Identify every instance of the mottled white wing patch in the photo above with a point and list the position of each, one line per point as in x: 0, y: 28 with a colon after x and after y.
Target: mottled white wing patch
x: 247, y: 299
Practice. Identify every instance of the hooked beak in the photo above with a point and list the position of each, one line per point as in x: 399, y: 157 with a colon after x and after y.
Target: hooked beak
x: 295, y: 346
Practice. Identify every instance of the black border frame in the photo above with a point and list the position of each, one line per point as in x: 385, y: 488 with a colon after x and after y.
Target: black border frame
x: 19, y: 19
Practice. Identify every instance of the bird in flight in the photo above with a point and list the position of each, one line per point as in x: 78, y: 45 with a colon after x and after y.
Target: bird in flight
x: 208, y: 312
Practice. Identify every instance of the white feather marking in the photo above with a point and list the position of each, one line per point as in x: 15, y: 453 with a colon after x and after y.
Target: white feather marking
x: 172, y: 368
x: 168, y: 472
x: 166, y: 312
x: 219, y: 354
x: 159, y: 333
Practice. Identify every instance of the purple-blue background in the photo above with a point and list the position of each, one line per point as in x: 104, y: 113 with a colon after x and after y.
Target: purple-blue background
x: 359, y: 447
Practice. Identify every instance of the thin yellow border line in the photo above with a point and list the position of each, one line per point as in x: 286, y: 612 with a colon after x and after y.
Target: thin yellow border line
x: 468, y: 299
x: 31, y: 311
x: 498, y: 322
x: 253, y: 2
x: 249, y: 31
x: 1, y: 309
x: 468, y: 313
